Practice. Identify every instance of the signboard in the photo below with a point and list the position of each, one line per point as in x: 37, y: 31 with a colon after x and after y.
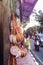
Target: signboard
x: 27, y: 8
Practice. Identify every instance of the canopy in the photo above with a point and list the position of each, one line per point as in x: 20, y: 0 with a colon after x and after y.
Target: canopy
x: 26, y: 8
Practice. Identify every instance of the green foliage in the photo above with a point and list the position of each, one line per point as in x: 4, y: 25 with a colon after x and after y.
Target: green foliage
x: 39, y: 17
x: 41, y: 28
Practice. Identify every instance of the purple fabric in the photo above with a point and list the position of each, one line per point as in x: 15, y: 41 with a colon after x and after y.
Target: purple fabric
x: 25, y: 18
x: 27, y: 7
x: 30, y: 1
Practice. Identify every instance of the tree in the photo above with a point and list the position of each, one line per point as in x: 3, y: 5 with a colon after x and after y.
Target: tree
x: 39, y: 17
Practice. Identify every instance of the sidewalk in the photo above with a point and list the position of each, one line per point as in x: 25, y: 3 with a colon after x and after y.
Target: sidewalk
x: 27, y: 60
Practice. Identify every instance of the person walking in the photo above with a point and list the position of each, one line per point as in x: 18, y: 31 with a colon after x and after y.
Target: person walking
x: 27, y: 42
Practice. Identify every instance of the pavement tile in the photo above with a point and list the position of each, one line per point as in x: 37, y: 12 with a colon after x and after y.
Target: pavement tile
x: 27, y: 60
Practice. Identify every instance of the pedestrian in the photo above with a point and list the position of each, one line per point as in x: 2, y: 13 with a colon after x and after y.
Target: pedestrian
x: 27, y: 42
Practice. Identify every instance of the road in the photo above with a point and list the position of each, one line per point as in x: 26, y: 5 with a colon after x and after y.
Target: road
x: 38, y: 54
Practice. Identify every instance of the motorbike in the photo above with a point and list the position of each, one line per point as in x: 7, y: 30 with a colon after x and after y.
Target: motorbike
x: 36, y: 44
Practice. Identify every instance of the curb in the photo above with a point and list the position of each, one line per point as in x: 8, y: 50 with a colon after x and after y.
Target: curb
x: 36, y: 57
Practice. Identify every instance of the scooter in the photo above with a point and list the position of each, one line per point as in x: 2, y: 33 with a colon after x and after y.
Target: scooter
x: 37, y: 45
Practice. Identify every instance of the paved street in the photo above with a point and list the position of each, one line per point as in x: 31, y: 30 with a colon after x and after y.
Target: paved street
x: 38, y: 54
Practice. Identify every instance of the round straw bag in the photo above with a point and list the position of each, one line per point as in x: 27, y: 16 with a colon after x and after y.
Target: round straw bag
x: 14, y: 50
